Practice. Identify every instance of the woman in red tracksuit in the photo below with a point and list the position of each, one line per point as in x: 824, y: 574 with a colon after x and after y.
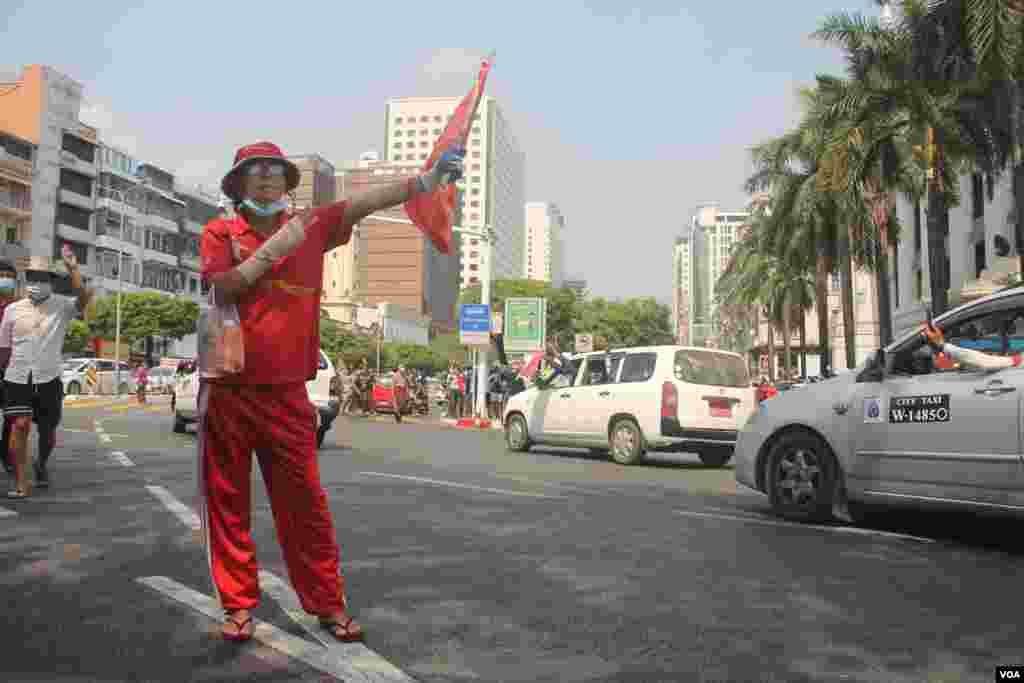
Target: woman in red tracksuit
x: 270, y: 264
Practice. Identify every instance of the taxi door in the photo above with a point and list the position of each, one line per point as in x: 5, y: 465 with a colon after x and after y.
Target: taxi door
x: 947, y: 435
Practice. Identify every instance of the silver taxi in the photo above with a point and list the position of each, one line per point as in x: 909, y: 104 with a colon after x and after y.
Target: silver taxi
x: 906, y: 427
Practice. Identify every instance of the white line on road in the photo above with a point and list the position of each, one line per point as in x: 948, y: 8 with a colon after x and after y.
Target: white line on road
x: 797, y: 525
x: 4, y: 512
x: 345, y: 661
x: 104, y: 438
x: 122, y: 458
x: 180, y: 510
x: 458, y: 485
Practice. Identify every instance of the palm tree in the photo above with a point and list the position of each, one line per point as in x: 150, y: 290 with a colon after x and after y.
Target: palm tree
x: 894, y: 95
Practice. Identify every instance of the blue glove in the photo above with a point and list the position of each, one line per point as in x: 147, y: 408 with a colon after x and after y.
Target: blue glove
x: 447, y: 170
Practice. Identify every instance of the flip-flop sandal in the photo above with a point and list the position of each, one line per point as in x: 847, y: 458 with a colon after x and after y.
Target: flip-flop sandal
x: 16, y: 494
x: 348, y: 635
x: 241, y: 634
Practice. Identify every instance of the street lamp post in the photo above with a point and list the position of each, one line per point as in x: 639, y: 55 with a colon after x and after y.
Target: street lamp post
x: 488, y: 236
x: 142, y: 182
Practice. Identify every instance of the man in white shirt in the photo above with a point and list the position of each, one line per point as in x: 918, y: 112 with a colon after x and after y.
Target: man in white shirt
x: 32, y: 334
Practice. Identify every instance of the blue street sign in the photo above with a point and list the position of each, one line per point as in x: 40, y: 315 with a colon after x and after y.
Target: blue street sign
x: 475, y: 324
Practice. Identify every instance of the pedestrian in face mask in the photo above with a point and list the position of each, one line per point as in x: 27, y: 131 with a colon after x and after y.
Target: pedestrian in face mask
x: 31, y: 337
x: 8, y: 290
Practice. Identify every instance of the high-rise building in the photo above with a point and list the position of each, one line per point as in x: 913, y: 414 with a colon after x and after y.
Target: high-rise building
x: 713, y: 233
x: 493, y: 185
x: 545, y: 243
x: 682, y: 288
x: 393, y: 261
x: 41, y: 109
x: 579, y: 286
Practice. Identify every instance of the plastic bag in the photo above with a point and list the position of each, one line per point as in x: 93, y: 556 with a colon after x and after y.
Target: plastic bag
x: 220, y: 342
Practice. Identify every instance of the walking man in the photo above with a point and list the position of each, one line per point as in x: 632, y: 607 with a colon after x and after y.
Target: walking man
x: 399, y: 391
x: 270, y: 265
x: 8, y: 290
x: 31, y: 336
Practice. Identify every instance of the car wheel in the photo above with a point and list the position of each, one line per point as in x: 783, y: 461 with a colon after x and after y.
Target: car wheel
x: 517, y: 438
x: 179, y: 425
x: 715, y: 456
x: 74, y: 389
x: 801, y: 478
x: 627, y: 443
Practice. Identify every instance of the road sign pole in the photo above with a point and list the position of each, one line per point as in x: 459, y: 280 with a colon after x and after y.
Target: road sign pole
x: 485, y: 298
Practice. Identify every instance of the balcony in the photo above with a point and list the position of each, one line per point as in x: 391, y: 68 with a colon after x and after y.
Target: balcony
x: 159, y: 257
x: 75, y: 199
x: 70, y: 232
x: 15, y: 203
x: 190, y: 262
x: 70, y: 161
x: 114, y: 205
x: 15, y: 168
x: 165, y: 224
x: 112, y: 242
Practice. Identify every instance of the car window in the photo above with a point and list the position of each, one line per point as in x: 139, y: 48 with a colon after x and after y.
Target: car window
x: 997, y: 333
x: 596, y: 372
x: 638, y: 367
x: 105, y: 365
x: 714, y: 369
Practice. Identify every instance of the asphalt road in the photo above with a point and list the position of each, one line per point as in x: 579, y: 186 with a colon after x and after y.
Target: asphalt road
x: 465, y: 562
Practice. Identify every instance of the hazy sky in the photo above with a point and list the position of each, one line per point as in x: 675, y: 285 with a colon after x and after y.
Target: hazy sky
x: 628, y: 118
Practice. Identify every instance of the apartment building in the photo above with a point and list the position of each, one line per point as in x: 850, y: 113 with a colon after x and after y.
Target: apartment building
x: 494, y: 175
x: 545, y: 243
x: 579, y: 287
x: 711, y: 236
x: 682, y: 288
x: 15, y: 196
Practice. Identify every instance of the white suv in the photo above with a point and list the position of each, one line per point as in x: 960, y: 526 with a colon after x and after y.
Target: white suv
x: 186, y: 389
x: 629, y: 401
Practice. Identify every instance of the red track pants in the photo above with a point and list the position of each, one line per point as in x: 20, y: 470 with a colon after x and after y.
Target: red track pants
x: 278, y: 423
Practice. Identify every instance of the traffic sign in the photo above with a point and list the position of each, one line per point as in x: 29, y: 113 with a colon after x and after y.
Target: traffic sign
x: 475, y: 324
x: 525, y: 324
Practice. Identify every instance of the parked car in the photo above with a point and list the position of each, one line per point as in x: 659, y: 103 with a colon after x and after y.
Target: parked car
x: 629, y: 401
x: 161, y: 380
x: 186, y: 390
x: 74, y: 372
x: 383, y: 398
x: 900, y: 429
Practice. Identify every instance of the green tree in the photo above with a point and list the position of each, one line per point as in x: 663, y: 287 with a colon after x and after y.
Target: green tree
x: 77, y: 338
x: 633, y: 322
x: 145, y: 314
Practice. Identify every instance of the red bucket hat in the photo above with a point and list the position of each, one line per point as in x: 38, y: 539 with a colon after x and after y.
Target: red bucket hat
x: 266, y: 151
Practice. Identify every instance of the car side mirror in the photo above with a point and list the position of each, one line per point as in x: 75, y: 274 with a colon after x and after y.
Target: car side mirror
x: 874, y: 369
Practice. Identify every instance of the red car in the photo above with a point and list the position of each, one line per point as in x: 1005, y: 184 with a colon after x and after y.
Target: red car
x: 383, y: 397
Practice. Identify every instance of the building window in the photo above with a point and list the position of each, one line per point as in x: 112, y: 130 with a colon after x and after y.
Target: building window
x: 397, y: 145
x: 835, y: 281
x: 410, y: 144
x: 476, y: 130
x: 437, y: 131
x: 476, y: 155
x: 424, y: 143
x: 475, y: 190
x: 424, y: 119
x: 437, y: 119
x: 85, y: 151
x: 473, y: 266
x: 474, y: 216
x: 410, y: 157
x: 475, y: 204
x: 475, y: 179
x: 398, y: 121
x: 80, y: 250
x: 474, y: 280
x: 75, y: 182
x: 73, y: 216
x: 424, y: 131
x: 423, y: 157
x: 474, y: 242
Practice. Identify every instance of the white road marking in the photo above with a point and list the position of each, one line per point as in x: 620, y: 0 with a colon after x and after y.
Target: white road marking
x: 284, y: 596
x: 120, y: 457
x: 4, y: 512
x: 457, y: 485
x: 183, y: 512
x: 104, y: 438
x: 350, y: 662
x: 798, y: 525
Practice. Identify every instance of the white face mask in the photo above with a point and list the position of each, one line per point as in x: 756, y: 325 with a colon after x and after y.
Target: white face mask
x: 39, y: 292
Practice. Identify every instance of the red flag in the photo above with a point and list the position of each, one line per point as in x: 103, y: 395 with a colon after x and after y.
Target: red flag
x: 433, y: 213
